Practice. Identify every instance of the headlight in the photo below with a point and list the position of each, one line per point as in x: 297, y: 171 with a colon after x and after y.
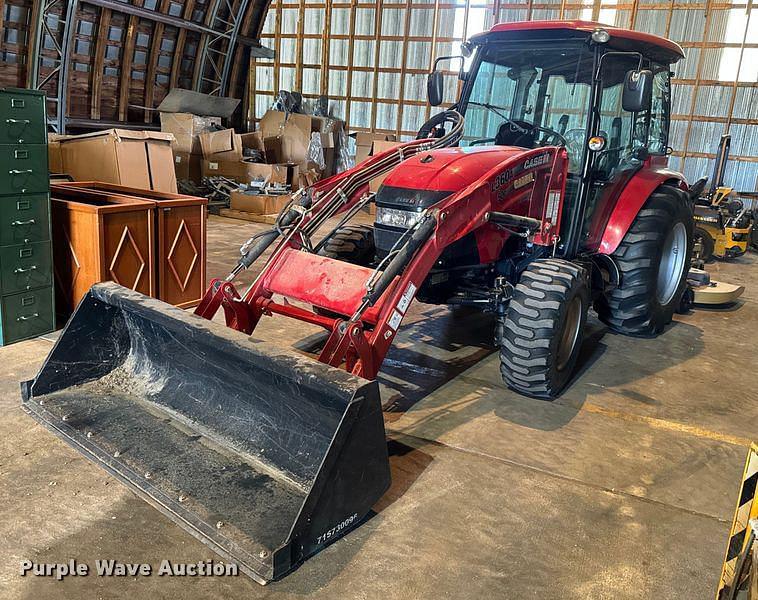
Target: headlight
x: 397, y: 218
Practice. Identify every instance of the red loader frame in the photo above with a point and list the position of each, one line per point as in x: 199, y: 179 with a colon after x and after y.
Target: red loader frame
x: 374, y: 302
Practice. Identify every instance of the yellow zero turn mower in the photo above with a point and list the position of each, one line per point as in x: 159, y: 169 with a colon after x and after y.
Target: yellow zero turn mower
x: 722, y: 224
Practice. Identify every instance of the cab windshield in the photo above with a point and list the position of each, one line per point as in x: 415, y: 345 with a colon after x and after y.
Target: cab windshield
x: 530, y: 96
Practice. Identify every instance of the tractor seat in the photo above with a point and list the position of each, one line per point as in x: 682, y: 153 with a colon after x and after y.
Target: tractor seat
x: 508, y: 135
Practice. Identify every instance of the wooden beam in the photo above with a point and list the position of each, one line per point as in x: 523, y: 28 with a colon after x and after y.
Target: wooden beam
x: 404, y: 67
x: 730, y: 113
x: 101, y: 42
x: 326, y: 50
x: 433, y: 49
x: 688, y: 131
x: 126, y: 66
x: 181, y: 40
x: 299, y: 46
x: 377, y: 54
x: 152, y: 63
x: 277, y: 47
x: 350, y: 51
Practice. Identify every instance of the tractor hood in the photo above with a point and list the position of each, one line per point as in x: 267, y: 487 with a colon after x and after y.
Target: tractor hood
x: 429, y: 177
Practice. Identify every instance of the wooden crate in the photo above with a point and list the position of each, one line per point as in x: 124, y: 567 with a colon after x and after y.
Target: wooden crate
x: 180, y: 237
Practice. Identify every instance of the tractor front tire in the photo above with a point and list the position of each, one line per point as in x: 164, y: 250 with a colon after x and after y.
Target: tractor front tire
x: 653, y: 259
x: 353, y: 244
x: 543, y: 328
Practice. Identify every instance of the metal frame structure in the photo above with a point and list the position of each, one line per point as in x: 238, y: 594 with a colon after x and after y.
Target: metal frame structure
x: 225, y: 35
x: 62, y: 37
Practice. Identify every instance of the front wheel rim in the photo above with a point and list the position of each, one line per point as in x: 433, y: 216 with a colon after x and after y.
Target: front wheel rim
x: 570, y: 334
x: 672, y: 263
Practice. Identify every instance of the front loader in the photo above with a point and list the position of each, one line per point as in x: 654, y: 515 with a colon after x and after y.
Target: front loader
x: 542, y: 192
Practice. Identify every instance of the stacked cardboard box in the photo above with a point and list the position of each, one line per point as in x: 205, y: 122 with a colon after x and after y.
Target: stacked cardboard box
x: 367, y: 144
x: 186, y: 129
x: 223, y: 155
x: 298, y: 150
x: 288, y: 138
x: 137, y: 159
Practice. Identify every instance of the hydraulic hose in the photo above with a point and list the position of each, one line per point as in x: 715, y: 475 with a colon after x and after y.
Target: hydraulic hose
x: 401, y: 259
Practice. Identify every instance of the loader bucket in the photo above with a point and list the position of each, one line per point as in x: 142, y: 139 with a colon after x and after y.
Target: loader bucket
x: 259, y: 452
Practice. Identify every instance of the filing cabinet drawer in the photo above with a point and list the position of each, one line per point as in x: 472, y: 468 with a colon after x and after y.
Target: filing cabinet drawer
x: 25, y: 267
x: 22, y: 117
x: 24, y: 219
x: 27, y: 315
x: 23, y: 169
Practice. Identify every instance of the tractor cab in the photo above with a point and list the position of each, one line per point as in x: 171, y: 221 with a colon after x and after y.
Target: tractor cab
x: 600, y: 92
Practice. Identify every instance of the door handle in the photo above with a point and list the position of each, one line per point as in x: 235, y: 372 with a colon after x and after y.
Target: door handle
x: 27, y: 270
x: 27, y: 317
x: 18, y: 172
x: 20, y: 121
x: 21, y: 223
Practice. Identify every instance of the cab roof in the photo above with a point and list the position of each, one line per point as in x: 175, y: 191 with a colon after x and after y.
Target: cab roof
x: 651, y: 46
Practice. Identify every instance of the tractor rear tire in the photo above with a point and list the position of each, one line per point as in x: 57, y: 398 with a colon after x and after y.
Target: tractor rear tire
x: 653, y: 259
x: 543, y: 328
x: 353, y: 244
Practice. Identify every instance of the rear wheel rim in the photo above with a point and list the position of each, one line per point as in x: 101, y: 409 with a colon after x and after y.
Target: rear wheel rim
x: 672, y: 263
x: 570, y: 333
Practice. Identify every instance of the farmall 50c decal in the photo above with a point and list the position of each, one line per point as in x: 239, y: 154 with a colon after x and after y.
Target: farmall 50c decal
x: 509, y: 181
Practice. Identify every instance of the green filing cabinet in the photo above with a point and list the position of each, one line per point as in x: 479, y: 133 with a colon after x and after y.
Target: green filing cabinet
x: 26, y: 267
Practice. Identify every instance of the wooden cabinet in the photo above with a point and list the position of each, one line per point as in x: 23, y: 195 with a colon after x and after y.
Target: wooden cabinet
x: 101, y: 239
x: 179, y: 236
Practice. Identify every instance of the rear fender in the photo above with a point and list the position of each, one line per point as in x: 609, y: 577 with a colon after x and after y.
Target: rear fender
x: 631, y: 201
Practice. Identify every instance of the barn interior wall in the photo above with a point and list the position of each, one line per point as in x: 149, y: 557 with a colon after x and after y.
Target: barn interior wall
x: 371, y: 60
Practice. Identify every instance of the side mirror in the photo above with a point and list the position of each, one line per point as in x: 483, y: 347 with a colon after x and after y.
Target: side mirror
x: 638, y: 91
x: 435, y: 87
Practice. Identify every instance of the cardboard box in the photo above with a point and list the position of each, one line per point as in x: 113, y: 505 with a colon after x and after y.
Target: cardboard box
x: 54, y: 157
x: 245, y: 172
x: 258, y: 204
x: 378, y: 147
x: 186, y: 129
x: 221, y: 145
x: 288, y: 138
x: 136, y: 159
x: 188, y: 167
x: 364, y: 143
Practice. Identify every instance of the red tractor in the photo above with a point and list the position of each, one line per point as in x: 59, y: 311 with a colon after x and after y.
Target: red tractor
x: 556, y: 197
x: 542, y: 192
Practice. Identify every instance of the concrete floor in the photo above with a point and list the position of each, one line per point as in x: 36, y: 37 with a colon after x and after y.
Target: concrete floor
x: 622, y: 488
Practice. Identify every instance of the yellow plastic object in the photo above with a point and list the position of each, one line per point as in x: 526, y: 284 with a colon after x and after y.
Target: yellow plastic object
x: 718, y: 293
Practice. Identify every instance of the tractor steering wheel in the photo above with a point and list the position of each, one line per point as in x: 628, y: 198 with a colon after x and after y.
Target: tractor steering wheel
x: 551, y: 133
x: 435, y: 127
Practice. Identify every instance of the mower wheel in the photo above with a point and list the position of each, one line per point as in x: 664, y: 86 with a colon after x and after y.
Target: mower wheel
x: 653, y: 258
x: 353, y: 244
x: 704, y: 245
x: 543, y: 328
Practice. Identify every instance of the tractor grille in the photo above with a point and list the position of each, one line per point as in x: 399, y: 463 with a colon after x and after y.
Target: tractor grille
x: 385, y: 238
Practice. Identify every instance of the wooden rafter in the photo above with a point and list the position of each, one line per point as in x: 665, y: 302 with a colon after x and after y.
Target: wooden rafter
x: 126, y: 65
x: 97, y: 68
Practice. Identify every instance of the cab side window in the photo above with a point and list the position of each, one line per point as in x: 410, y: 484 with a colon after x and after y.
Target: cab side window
x: 660, y: 112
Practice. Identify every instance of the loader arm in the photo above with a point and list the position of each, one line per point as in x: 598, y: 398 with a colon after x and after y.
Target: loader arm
x: 374, y: 302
